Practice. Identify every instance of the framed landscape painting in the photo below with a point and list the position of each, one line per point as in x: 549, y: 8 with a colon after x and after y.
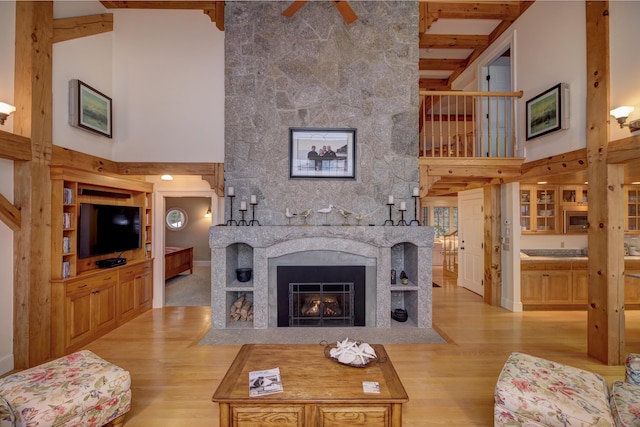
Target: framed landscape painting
x: 322, y: 153
x: 89, y: 109
x: 544, y: 112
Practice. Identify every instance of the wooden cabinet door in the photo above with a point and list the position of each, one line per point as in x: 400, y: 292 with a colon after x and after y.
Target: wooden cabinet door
x: 104, y: 307
x: 580, y: 282
x: 557, y: 287
x: 144, y: 289
x: 126, y: 299
x: 531, y: 287
x: 78, y: 314
x: 631, y: 289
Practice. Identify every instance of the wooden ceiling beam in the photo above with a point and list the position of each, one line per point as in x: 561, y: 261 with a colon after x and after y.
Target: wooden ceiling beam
x: 177, y: 5
x: 9, y: 214
x: 624, y: 150
x: 472, y: 167
x: 149, y: 168
x: 453, y: 41
x: 81, y: 26
x: 441, y: 64
x: 14, y: 147
x: 434, y: 84
x: 571, y: 162
x: 460, y: 10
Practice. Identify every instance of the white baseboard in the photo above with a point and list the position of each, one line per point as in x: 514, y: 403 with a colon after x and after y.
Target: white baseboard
x: 510, y: 305
x: 6, y: 363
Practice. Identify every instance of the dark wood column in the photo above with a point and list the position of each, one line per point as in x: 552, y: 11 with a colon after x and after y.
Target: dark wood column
x: 606, y: 328
x: 32, y: 186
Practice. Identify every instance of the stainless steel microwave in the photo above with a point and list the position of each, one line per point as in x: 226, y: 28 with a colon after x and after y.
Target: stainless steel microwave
x: 575, y: 221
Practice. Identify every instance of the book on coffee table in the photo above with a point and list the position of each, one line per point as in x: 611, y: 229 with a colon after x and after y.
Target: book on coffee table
x: 265, y: 382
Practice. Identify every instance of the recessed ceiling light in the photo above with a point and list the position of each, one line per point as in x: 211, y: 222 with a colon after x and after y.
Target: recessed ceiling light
x: 542, y: 182
x: 166, y: 178
x: 636, y: 183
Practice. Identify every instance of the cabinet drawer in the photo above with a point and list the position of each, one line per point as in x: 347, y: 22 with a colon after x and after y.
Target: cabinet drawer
x: 533, y: 266
x: 92, y: 282
x: 267, y: 415
x: 131, y: 272
x: 361, y: 415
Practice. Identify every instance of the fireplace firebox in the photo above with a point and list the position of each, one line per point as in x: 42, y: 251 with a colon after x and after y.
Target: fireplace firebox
x: 320, y: 304
x: 322, y: 296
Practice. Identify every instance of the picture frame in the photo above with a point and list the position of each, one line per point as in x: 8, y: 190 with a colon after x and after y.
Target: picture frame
x: 335, y: 153
x: 90, y: 109
x: 546, y: 112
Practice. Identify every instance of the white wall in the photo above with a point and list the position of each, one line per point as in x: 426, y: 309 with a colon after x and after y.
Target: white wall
x: 7, y: 64
x: 168, y: 72
x: 625, y: 62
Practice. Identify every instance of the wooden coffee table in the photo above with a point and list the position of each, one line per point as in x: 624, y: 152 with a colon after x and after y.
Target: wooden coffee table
x: 317, y: 390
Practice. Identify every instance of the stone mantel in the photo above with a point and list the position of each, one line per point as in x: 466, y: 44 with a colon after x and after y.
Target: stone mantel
x: 261, y: 237
x: 378, y: 248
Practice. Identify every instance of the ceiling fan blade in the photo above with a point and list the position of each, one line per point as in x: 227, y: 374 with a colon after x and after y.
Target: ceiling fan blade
x: 345, y: 10
x: 291, y: 10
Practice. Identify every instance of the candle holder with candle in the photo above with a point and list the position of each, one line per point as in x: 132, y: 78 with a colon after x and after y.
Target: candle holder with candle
x: 243, y: 209
x: 416, y: 195
x: 403, y: 207
x: 390, y: 204
x: 231, y: 194
x: 253, y: 203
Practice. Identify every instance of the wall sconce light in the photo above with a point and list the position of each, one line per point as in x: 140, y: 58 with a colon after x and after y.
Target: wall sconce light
x: 622, y: 114
x: 166, y: 178
x: 207, y: 214
x: 5, y: 111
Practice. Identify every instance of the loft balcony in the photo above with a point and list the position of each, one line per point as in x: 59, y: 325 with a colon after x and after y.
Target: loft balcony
x: 466, y: 140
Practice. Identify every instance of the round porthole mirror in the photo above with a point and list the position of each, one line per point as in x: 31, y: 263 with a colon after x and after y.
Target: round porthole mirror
x: 176, y: 219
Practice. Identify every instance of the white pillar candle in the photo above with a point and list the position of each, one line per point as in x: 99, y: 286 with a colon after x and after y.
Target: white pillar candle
x: 403, y: 206
x: 230, y: 191
x: 253, y: 199
x: 390, y: 202
x: 416, y: 191
x: 243, y: 205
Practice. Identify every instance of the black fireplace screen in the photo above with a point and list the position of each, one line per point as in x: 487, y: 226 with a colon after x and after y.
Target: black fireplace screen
x: 321, y: 304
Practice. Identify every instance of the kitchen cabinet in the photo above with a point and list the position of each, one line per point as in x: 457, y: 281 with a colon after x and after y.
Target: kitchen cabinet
x: 539, y: 209
x: 632, y: 212
x: 565, y: 284
x: 573, y: 195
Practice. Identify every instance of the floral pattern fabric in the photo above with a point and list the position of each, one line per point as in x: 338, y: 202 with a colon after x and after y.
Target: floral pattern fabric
x: 625, y: 404
x: 632, y: 369
x: 536, y: 392
x: 80, y: 389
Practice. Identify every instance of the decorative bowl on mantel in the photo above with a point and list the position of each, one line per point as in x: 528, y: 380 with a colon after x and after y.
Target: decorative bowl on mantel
x: 243, y: 274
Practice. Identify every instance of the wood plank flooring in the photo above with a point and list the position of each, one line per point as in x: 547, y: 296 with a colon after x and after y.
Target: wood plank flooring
x: 448, y: 384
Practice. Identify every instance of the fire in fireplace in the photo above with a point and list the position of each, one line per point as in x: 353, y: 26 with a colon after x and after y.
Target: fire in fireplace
x: 321, y: 296
x: 320, y: 304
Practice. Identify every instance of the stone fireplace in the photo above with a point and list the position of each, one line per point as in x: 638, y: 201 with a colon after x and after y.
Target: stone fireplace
x: 312, y: 70
x: 374, y: 250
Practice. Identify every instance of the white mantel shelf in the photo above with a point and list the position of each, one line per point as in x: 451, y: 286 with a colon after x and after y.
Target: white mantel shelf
x: 381, y: 248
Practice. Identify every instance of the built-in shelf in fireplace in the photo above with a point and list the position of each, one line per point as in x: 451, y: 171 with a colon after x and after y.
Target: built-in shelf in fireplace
x: 322, y: 296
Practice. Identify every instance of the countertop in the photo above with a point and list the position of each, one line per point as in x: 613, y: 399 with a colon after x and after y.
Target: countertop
x: 561, y: 258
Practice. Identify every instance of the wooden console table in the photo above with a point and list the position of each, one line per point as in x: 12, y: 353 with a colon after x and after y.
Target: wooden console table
x: 317, y: 390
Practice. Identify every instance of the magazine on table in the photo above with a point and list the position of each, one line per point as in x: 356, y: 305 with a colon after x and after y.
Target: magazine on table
x: 265, y: 382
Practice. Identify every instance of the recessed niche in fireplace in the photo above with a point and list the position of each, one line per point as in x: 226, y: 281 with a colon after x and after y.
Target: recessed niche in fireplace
x: 321, y: 296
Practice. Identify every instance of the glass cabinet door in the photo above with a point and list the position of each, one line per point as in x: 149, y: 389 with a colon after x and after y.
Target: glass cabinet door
x: 545, y: 210
x: 633, y: 210
x: 525, y: 209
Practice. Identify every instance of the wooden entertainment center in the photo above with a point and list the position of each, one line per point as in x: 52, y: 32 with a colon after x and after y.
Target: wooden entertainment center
x: 88, y: 301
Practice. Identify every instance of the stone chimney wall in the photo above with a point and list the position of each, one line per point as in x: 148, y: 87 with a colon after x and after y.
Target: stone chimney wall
x: 313, y: 70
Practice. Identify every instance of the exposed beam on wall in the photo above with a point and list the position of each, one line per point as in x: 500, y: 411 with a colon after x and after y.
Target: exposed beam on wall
x: 14, y: 147
x: 81, y: 26
x: 32, y: 185
x: 605, y: 309
x: 9, y: 214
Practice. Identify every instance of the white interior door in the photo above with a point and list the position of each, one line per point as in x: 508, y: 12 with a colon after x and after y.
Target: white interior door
x: 470, y: 240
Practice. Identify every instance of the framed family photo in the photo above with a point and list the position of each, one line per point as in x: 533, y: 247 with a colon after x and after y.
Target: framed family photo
x: 322, y: 153
x: 545, y: 112
x: 89, y: 109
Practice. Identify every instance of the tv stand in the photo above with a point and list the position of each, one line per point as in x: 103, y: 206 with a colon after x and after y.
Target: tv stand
x: 111, y: 262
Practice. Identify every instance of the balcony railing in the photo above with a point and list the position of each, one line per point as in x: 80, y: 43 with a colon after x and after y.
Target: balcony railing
x: 467, y: 124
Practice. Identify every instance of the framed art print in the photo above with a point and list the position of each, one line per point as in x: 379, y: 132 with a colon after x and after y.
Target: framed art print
x: 89, y: 109
x: 322, y: 153
x: 545, y: 112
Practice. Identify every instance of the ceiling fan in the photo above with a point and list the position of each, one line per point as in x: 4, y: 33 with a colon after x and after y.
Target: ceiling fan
x: 343, y: 7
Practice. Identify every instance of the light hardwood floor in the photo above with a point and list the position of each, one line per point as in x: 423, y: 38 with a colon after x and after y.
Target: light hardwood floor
x: 451, y: 384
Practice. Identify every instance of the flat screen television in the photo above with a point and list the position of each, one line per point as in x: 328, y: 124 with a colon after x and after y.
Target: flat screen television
x: 106, y: 229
